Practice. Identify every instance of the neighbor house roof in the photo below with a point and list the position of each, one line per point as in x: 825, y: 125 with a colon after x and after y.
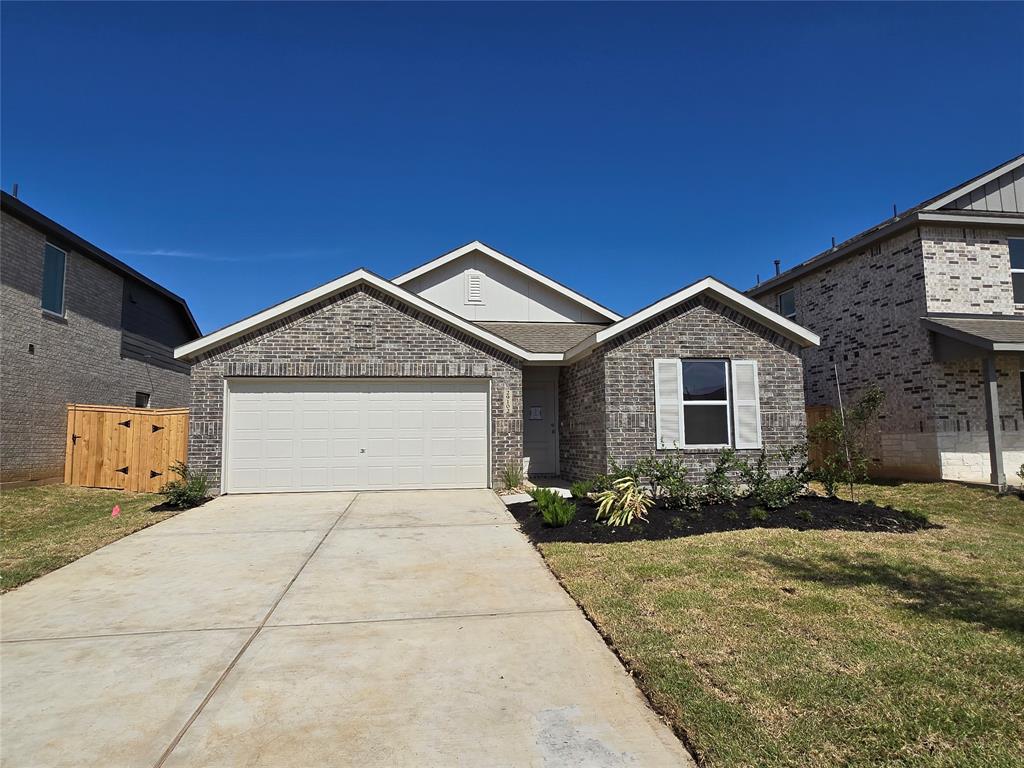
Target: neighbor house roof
x: 63, y: 236
x: 998, y: 334
x: 485, y: 249
x: 543, y: 337
x: 936, y: 209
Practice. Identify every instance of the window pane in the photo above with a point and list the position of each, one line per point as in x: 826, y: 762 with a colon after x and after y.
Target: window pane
x: 1018, y: 287
x: 706, y: 424
x: 1017, y: 254
x: 787, y: 304
x: 704, y: 380
x: 53, y: 280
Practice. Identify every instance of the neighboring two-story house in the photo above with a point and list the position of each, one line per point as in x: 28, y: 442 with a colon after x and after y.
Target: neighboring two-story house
x: 928, y: 305
x: 76, y: 325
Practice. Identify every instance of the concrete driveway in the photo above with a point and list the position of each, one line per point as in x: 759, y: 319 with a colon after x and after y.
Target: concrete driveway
x: 372, y: 629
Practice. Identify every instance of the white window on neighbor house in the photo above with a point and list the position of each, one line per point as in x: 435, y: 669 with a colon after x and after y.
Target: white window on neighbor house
x: 142, y: 399
x: 474, y: 286
x: 787, y: 304
x: 1017, y: 268
x: 54, y: 265
x: 706, y: 403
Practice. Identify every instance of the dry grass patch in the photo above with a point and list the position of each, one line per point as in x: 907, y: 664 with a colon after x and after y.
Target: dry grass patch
x: 823, y: 648
x: 46, y: 527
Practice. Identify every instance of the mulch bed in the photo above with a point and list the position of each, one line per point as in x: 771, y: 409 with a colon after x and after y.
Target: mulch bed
x: 808, y: 513
x: 163, y: 506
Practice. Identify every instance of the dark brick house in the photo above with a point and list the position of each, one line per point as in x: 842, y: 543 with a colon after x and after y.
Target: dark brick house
x: 473, y: 363
x: 929, y: 306
x: 76, y: 326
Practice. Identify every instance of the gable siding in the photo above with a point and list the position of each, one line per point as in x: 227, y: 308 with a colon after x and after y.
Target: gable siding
x: 1003, y: 194
x: 357, y: 333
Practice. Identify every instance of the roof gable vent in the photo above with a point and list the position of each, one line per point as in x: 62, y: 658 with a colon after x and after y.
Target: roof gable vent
x: 474, y: 286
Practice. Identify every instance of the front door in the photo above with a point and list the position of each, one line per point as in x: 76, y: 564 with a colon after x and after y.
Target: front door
x: 540, y: 425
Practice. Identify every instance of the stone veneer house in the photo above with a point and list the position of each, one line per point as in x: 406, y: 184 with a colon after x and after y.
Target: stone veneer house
x: 928, y: 305
x: 473, y: 363
x: 76, y: 326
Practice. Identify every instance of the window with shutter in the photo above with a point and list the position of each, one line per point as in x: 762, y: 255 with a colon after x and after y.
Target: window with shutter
x: 667, y: 403
x: 746, y: 404
x: 474, y: 287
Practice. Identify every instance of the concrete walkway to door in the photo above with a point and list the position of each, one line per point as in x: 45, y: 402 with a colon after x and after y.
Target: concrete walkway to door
x: 372, y: 629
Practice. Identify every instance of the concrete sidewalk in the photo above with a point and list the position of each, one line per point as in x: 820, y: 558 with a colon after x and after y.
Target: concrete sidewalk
x: 373, y: 629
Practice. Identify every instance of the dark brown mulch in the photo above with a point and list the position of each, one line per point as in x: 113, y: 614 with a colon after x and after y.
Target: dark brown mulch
x: 809, y: 513
x: 165, y: 507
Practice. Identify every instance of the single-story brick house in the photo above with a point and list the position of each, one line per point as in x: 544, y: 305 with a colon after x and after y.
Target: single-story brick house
x: 472, y: 363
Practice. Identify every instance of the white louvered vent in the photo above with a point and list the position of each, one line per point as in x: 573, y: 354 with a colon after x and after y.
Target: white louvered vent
x: 474, y: 287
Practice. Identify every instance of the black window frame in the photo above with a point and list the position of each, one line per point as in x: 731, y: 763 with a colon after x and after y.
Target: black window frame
x: 48, y: 250
x: 778, y: 303
x: 1016, y: 272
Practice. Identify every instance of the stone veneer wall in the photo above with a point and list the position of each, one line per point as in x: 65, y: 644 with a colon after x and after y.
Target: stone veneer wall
x: 867, y: 310
x: 74, y: 359
x: 581, y: 418
x: 701, y: 328
x: 357, y: 333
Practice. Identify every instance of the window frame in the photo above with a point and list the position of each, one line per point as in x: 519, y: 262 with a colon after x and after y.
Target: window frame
x: 684, y: 403
x: 778, y: 304
x: 148, y: 397
x: 1015, y: 270
x: 63, y: 282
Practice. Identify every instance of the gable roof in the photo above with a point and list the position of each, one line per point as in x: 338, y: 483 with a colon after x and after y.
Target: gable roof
x: 941, y: 208
x: 718, y: 291
x: 63, y: 236
x: 477, y: 246
x: 992, y: 332
x: 354, y: 278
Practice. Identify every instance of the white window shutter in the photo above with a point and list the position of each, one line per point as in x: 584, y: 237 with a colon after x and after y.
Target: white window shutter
x: 668, y: 407
x: 746, y: 404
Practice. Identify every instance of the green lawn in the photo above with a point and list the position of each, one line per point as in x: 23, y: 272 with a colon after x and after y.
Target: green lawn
x: 782, y: 648
x: 48, y: 526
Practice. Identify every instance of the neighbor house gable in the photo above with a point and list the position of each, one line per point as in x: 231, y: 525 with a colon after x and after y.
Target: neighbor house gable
x: 480, y: 283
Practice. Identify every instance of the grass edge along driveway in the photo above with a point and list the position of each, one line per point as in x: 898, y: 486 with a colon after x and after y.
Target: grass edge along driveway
x: 825, y: 648
x: 45, y: 527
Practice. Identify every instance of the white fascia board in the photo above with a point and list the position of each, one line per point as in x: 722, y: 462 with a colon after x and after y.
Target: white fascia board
x: 718, y: 290
x: 352, y: 278
x: 953, y: 217
x: 476, y: 245
x: 979, y: 182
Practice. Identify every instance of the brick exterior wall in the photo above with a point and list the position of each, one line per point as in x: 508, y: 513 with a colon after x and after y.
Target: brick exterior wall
x: 357, y: 333
x: 74, y: 359
x: 625, y: 412
x: 867, y: 310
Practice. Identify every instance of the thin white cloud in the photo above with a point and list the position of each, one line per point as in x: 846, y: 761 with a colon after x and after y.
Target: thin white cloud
x: 173, y: 253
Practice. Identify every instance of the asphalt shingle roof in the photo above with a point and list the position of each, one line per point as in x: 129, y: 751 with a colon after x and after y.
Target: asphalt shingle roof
x: 543, y: 337
x: 990, y: 330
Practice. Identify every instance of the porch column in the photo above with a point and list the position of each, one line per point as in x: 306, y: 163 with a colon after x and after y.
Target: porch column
x: 995, y: 431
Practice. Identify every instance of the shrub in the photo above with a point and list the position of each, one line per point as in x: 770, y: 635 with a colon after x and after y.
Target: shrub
x: 580, y: 489
x: 842, y: 440
x: 775, y: 492
x: 190, y: 489
x: 555, y: 510
x: 623, y: 503
x: 757, y: 514
x: 512, y: 477
x: 718, y: 486
x: 661, y: 475
x: 605, y: 482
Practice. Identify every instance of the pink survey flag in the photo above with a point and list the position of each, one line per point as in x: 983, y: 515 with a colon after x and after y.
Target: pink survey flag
x: 116, y: 510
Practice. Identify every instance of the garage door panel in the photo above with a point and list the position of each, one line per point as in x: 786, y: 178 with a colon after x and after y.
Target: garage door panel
x: 321, y: 434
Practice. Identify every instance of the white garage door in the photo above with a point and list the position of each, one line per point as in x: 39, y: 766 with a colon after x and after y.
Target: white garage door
x: 355, y: 434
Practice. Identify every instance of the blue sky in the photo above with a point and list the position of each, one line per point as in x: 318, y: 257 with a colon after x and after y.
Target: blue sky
x: 243, y: 153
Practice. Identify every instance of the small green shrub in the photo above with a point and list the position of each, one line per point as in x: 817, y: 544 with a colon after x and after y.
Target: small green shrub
x: 775, y: 491
x: 660, y: 475
x: 805, y: 515
x: 842, y: 440
x: 623, y: 503
x: 718, y: 486
x: 604, y: 482
x: 512, y: 477
x: 757, y: 514
x: 580, y: 489
x: 554, y: 509
x: 190, y: 489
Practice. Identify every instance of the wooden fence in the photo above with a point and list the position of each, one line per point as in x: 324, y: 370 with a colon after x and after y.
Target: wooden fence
x: 815, y: 413
x: 125, y: 448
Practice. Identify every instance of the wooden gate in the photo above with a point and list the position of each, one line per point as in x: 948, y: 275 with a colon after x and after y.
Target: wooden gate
x: 125, y: 448
x: 815, y: 413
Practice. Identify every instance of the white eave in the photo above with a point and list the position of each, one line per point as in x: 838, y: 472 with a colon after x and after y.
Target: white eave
x: 476, y: 245
x: 717, y: 290
x: 359, y: 276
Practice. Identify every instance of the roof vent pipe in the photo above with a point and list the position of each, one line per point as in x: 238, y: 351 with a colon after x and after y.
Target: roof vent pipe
x: 833, y: 242
x: 777, y: 263
x: 14, y: 190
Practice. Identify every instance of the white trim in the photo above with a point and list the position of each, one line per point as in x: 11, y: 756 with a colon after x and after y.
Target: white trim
x: 756, y: 402
x: 1014, y: 271
x: 697, y: 403
x: 950, y: 216
x: 778, y: 302
x: 720, y: 291
x: 63, y: 283
x: 476, y: 245
x: 979, y: 182
x: 359, y: 276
